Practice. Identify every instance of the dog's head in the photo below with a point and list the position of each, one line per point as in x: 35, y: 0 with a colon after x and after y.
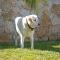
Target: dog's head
x: 32, y: 20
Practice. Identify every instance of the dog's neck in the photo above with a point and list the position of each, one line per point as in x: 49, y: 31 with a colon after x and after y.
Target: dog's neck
x: 31, y: 28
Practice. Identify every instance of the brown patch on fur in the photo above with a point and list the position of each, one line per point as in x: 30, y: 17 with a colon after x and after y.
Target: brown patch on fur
x: 30, y: 20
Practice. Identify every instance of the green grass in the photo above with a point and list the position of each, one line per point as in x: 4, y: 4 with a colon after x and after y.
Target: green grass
x: 48, y: 50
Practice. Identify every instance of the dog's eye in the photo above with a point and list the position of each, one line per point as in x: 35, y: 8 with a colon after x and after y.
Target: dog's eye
x: 35, y: 20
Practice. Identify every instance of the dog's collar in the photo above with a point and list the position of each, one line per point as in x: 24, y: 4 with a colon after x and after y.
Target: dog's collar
x: 29, y: 26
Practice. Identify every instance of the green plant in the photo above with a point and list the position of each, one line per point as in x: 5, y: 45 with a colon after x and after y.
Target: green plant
x: 33, y: 3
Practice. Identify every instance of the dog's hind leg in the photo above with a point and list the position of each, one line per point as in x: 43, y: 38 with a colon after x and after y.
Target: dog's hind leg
x: 22, y: 41
x: 15, y: 42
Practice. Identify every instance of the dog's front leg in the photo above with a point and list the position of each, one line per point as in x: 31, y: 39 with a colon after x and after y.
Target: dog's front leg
x: 32, y: 41
x: 22, y: 41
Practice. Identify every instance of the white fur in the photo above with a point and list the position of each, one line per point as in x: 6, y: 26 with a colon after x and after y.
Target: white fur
x: 26, y: 31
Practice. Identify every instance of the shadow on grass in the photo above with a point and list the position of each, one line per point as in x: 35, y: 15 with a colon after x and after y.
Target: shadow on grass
x: 46, y: 45
x: 7, y: 46
x: 40, y: 45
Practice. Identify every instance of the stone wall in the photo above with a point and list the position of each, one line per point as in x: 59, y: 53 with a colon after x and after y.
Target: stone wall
x: 10, y: 9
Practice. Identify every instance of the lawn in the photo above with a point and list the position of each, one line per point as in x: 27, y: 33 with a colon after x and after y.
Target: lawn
x: 48, y: 50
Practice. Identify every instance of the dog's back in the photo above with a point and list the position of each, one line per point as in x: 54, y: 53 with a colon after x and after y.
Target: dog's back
x: 18, y: 24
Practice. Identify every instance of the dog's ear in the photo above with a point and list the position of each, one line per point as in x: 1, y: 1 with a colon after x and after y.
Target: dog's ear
x: 30, y: 19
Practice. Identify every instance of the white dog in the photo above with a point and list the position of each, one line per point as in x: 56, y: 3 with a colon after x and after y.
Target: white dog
x: 25, y: 28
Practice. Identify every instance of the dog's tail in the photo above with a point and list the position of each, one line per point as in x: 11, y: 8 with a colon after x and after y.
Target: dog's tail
x: 17, y: 18
x: 16, y: 23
